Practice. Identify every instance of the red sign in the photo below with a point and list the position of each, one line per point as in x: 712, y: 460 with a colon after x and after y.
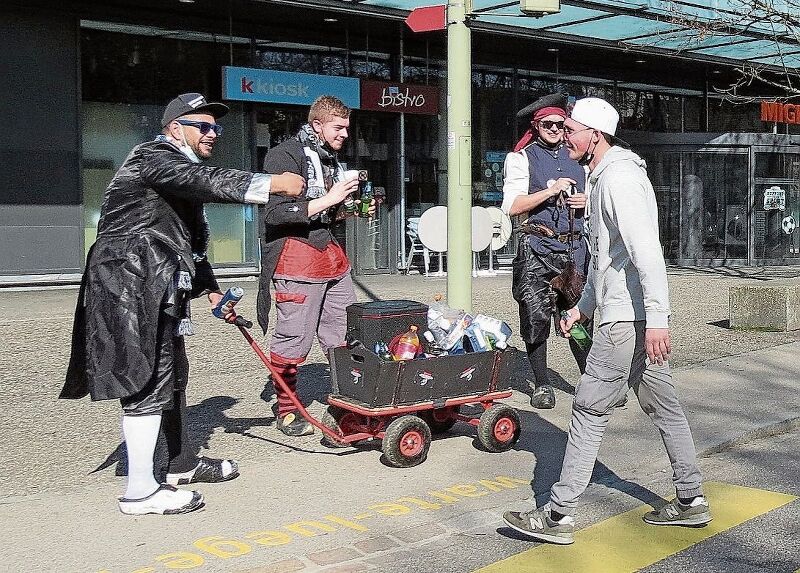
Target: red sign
x: 399, y: 98
x: 780, y: 112
x: 427, y: 18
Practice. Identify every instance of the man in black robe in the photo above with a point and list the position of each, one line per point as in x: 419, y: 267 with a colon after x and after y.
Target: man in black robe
x: 148, y: 261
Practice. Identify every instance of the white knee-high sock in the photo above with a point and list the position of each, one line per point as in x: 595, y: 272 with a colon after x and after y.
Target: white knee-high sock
x: 141, y: 433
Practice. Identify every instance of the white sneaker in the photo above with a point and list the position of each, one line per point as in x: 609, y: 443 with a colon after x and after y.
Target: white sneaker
x: 166, y: 500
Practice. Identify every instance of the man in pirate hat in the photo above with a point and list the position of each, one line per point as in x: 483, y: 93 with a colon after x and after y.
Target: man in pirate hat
x: 542, y: 183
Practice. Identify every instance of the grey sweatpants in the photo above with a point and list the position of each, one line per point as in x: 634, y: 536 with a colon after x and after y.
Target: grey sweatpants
x: 616, y: 361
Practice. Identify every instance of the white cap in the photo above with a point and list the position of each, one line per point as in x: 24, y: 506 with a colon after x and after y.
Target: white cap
x: 596, y: 113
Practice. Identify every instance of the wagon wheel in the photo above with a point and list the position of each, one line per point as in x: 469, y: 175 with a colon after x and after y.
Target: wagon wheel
x: 341, y: 421
x: 440, y: 420
x: 499, y: 428
x: 406, y: 442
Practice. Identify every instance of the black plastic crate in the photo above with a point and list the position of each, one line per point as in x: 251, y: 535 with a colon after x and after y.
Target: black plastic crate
x: 382, y: 320
x: 361, y: 376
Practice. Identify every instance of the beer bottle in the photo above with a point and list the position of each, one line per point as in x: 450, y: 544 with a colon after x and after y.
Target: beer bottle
x: 366, y: 199
x: 578, y: 333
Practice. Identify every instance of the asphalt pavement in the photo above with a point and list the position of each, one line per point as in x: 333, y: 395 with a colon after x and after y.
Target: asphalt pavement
x: 299, y: 506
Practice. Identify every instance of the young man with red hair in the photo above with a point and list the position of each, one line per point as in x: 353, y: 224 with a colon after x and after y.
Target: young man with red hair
x: 301, y: 260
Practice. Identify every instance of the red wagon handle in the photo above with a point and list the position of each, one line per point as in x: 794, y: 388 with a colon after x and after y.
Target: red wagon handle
x: 276, y: 377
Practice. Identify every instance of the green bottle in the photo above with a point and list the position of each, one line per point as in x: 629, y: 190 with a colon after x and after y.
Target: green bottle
x: 366, y: 199
x: 578, y: 333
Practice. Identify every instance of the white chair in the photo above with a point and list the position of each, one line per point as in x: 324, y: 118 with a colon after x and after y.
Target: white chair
x: 482, y: 232
x: 501, y: 233
x: 416, y: 248
x: 432, y: 230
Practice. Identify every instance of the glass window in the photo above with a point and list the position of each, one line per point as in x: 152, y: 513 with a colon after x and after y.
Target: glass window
x: 775, y: 222
x: 722, y: 179
x: 725, y: 116
x: 649, y: 111
x: 777, y: 165
x: 663, y: 169
x: 702, y: 202
x: 127, y: 80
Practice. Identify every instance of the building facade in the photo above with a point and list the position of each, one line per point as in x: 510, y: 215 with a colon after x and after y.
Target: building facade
x: 85, y: 83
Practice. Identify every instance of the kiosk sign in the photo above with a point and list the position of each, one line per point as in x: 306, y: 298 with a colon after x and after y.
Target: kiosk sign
x: 774, y: 199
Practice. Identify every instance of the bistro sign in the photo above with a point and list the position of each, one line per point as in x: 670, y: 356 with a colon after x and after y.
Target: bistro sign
x: 780, y: 112
x: 399, y: 98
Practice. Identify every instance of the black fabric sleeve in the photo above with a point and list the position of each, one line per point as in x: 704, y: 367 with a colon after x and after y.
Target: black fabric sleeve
x: 171, y: 174
x: 283, y: 210
x: 204, y: 280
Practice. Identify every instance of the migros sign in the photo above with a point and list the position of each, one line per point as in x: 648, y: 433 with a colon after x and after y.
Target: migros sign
x: 780, y: 112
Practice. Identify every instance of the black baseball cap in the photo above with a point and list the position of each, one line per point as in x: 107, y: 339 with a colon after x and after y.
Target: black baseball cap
x: 191, y: 103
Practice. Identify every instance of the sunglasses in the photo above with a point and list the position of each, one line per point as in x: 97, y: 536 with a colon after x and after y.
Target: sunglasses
x: 203, y: 126
x: 570, y: 131
x: 548, y: 124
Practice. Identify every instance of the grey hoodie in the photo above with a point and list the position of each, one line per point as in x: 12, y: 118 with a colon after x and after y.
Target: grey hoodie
x: 627, y: 278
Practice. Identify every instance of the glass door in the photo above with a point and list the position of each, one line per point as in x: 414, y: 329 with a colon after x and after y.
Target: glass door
x: 776, y: 207
x: 371, y: 147
x: 703, y: 199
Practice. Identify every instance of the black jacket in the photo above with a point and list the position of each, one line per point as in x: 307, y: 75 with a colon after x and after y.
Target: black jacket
x: 285, y: 217
x: 151, y: 225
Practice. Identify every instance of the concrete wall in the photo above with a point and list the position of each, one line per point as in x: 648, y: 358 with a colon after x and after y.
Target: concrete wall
x: 41, y: 226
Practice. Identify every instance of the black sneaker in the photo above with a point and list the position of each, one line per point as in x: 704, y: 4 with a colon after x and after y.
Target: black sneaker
x: 207, y: 470
x: 543, y: 398
x: 292, y: 424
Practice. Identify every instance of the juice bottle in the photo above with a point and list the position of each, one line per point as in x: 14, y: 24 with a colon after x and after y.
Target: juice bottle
x: 408, y: 346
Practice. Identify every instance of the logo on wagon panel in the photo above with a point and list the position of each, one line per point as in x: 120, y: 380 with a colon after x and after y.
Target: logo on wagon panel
x: 356, y: 374
x: 424, y: 377
x: 467, y: 374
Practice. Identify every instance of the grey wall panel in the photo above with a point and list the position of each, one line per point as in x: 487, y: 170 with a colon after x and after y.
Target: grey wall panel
x: 40, y: 103
x: 40, y: 239
x: 41, y: 220
x: 41, y: 216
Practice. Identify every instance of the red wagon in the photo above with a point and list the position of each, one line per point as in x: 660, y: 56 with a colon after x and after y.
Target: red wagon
x: 403, y: 403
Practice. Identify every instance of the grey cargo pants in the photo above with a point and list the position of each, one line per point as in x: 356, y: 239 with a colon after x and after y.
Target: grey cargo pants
x: 616, y: 361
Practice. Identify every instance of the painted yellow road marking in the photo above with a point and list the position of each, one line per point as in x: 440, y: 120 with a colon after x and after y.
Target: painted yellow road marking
x: 205, y: 550
x: 625, y: 543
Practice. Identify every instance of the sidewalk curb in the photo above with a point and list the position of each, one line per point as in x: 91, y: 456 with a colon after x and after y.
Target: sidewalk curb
x: 769, y: 431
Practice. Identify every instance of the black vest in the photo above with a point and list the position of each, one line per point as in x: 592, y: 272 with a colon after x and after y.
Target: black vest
x: 544, y: 167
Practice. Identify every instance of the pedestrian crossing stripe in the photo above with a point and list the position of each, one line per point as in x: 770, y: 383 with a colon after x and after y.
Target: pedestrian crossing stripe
x: 624, y: 543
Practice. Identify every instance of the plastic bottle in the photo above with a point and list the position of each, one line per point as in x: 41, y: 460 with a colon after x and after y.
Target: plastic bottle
x: 499, y: 330
x: 433, y: 348
x: 408, y: 346
x: 382, y: 350
x: 477, y: 338
x: 578, y: 333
